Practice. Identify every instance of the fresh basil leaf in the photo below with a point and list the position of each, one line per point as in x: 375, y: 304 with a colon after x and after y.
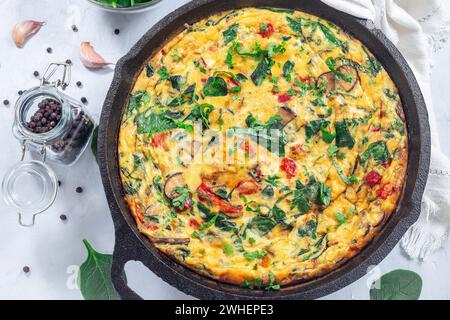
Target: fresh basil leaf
x: 95, y: 276
x: 313, y: 127
x: 215, y: 87
x: 231, y: 33
x: 397, y: 285
x: 138, y: 100
x: 343, y: 135
x: 201, y: 113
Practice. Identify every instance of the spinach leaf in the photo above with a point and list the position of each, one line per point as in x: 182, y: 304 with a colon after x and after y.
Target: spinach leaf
x: 186, y: 96
x: 287, y: 69
x: 329, y: 35
x: 177, y: 82
x: 343, y: 135
x: 138, y: 100
x: 268, y: 191
x: 313, y: 127
x: 324, y: 194
x: 273, y: 140
x: 95, y: 276
x: 255, y: 255
x: 341, y: 218
x: 261, y: 71
x: 215, y: 87
x: 231, y: 33
x: 224, y: 223
x: 309, y: 229
x: 318, y: 249
x: 153, y: 122
x: 201, y: 113
x: 331, y: 64
x: 163, y: 73
x: 295, y: 25
x: 272, y: 283
x: 149, y: 70
x: 397, y: 285
x: 332, y: 151
x: 252, y: 122
x: 278, y: 214
x: 305, y: 195
x: 378, y: 151
x: 261, y: 225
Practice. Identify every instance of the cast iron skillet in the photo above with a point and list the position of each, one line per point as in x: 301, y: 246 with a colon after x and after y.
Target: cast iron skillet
x: 131, y: 245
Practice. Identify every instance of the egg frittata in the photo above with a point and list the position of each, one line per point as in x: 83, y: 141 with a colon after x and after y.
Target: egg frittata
x: 262, y: 147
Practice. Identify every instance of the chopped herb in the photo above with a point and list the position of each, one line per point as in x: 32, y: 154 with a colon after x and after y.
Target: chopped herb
x: 231, y: 33
x: 287, y: 69
x: 378, y: 151
x: 215, y: 87
x: 340, y: 217
x: 309, y: 229
x: 255, y: 255
x: 163, y: 74
x: 343, y: 135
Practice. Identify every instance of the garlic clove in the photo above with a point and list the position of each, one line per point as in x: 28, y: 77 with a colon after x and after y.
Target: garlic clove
x: 90, y: 58
x: 24, y: 29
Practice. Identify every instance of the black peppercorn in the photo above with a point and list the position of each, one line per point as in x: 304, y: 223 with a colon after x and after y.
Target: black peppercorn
x: 117, y: 31
x: 6, y: 102
x: 20, y: 92
x: 59, y: 183
x: 84, y: 100
x: 79, y: 190
x: 74, y: 28
x: 79, y: 84
x: 49, y: 50
x: 36, y: 74
x: 68, y: 61
x: 26, y: 269
x: 63, y: 217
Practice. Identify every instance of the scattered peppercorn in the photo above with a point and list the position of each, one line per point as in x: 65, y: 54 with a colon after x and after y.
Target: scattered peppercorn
x: 6, y: 102
x: 26, y: 269
x: 63, y: 217
x: 74, y: 28
x: 84, y: 100
x: 36, y: 74
x: 117, y: 31
x: 79, y: 84
x: 20, y: 92
x: 68, y: 61
x: 59, y: 183
x: 79, y: 189
x: 49, y: 50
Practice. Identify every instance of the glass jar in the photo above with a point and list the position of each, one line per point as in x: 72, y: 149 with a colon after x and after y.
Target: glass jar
x: 53, y: 127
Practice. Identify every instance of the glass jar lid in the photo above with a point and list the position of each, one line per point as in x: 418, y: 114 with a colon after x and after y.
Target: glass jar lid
x: 29, y: 188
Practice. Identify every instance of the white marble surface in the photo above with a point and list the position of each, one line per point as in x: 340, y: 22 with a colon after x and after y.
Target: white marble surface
x: 53, y: 249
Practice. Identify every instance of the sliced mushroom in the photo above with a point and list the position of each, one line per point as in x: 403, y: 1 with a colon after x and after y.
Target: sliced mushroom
x: 173, y: 241
x: 400, y: 112
x: 172, y: 183
x: 348, y: 71
x: 329, y: 78
x: 287, y: 115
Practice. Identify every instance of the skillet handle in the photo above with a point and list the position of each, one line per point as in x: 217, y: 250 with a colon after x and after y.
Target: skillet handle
x: 125, y: 250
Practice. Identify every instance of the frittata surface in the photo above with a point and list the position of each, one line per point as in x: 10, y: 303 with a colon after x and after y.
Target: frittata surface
x: 262, y: 146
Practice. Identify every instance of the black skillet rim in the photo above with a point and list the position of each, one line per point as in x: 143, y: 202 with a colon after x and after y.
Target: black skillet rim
x: 131, y: 245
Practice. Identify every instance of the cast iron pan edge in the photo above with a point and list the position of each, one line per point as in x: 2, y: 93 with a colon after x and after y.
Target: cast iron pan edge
x: 131, y: 245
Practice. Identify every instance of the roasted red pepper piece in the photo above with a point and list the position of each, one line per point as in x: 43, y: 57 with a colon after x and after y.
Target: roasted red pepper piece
x: 289, y: 167
x: 373, y: 178
x: 266, y: 30
x: 205, y: 194
x: 284, y: 98
x: 248, y: 186
x: 194, y: 223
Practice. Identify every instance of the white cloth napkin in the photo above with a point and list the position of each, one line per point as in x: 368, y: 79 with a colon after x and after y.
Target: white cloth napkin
x: 417, y: 28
